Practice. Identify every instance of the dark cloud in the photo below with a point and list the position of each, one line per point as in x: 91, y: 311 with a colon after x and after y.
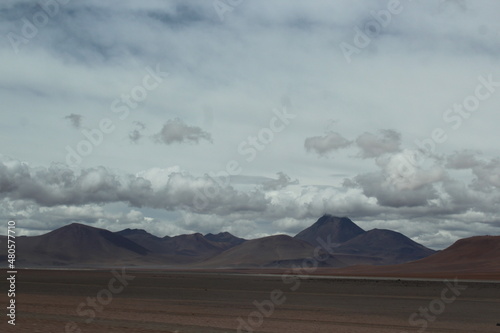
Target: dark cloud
x: 176, y: 131
x: 75, y: 120
x: 182, y: 15
x: 136, y: 134
x: 322, y: 145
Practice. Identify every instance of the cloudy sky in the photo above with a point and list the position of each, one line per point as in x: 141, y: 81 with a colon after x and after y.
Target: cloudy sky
x: 254, y: 117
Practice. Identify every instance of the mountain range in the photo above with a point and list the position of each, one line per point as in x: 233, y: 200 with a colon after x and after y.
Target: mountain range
x: 337, y: 239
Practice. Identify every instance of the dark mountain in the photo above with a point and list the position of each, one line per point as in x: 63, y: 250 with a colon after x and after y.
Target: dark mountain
x: 340, y: 229
x: 224, y: 239
x: 136, y: 233
x: 375, y: 247
x: 354, y: 246
x: 192, y: 245
x: 195, y: 245
x: 145, y: 239
x: 81, y: 245
x: 389, y: 247
x: 77, y: 243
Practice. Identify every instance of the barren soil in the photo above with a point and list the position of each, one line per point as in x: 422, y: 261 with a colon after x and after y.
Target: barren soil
x: 198, y: 302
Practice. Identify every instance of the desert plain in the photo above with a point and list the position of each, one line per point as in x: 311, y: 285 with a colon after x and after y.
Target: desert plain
x: 135, y: 300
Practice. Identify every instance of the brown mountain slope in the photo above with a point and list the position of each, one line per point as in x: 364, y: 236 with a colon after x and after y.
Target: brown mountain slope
x: 469, y: 250
x: 263, y: 252
x: 468, y: 258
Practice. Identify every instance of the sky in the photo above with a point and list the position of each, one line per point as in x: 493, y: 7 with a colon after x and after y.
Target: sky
x: 253, y: 117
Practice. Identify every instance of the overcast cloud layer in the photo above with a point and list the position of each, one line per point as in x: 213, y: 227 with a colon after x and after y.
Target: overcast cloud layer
x: 255, y: 118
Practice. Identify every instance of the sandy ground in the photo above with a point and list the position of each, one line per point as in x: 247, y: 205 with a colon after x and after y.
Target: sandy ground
x: 48, y: 301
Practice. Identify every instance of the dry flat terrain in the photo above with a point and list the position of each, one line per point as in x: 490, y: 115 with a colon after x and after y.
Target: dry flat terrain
x: 196, y: 302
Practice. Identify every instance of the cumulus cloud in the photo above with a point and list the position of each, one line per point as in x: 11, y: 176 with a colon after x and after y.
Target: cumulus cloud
x: 373, y: 145
x: 75, y: 120
x: 176, y: 131
x: 376, y: 185
x: 173, y: 189
x: 61, y: 186
x: 400, y: 183
x: 370, y: 145
x: 35, y: 219
x: 322, y: 145
x: 45, y: 198
x: 404, y: 171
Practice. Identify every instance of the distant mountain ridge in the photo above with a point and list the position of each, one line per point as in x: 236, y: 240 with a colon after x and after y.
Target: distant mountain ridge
x: 194, y: 245
x: 346, y: 243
